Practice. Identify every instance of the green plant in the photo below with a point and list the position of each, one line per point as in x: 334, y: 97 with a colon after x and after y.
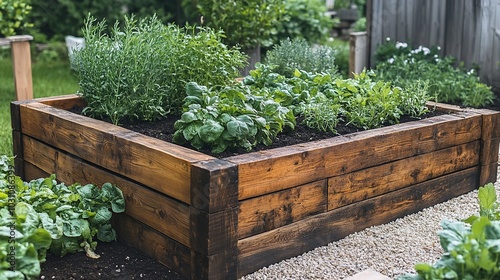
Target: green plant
x: 232, y: 117
x: 304, y: 19
x: 341, y: 49
x: 140, y: 70
x: 294, y: 54
x: 13, y: 16
x: 471, y: 249
x: 360, y: 25
x: 247, y: 23
x: 446, y: 82
x: 43, y: 215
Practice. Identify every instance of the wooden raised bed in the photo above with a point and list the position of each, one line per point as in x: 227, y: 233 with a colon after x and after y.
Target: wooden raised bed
x: 210, y: 218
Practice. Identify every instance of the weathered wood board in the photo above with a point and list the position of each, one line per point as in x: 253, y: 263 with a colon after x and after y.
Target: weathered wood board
x: 210, y: 218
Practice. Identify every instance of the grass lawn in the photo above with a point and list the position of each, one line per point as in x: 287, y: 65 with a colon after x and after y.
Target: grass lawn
x: 49, y: 79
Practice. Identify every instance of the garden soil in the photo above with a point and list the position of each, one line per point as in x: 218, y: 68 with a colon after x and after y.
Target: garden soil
x: 120, y: 261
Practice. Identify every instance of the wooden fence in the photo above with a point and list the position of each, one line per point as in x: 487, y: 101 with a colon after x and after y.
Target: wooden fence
x: 466, y: 29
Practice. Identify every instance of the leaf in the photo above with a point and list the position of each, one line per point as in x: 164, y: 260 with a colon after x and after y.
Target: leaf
x: 55, y: 229
x: 237, y: 128
x: 210, y: 131
x: 191, y: 131
x: 74, y: 228
x: 113, y: 194
x: 453, y: 233
x: 106, y: 233
x: 40, y: 239
x: 194, y: 89
x: 102, y: 216
x: 188, y: 117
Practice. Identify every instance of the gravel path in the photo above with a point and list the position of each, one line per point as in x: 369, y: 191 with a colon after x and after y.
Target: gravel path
x: 391, y: 249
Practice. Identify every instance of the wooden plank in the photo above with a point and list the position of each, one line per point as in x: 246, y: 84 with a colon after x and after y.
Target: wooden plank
x: 487, y: 36
x: 159, y: 164
x: 214, y: 219
x: 18, y: 153
x: 296, y: 238
x: 21, y: 62
x: 494, y: 74
x: 367, y: 183
x: 274, y: 210
x: 154, y: 244
x: 65, y: 102
x: 214, y: 244
x: 488, y: 173
x: 33, y: 172
x: 164, y: 214
x: 291, y: 166
x: 470, y: 22
x: 489, y: 151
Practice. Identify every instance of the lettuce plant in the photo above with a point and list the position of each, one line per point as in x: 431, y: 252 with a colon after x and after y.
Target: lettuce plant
x: 43, y: 215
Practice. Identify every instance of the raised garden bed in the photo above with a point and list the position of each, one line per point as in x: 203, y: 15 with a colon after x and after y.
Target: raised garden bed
x: 210, y: 218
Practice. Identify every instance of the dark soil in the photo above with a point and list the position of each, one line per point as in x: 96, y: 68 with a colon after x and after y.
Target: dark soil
x: 120, y: 261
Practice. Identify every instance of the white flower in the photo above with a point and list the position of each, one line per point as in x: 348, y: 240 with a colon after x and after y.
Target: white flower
x: 401, y: 45
x: 436, y: 56
x: 439, y: 48
x: 426, y: 51
x: 471, y: 71
x: 391, y: 60
x: 387, y: 39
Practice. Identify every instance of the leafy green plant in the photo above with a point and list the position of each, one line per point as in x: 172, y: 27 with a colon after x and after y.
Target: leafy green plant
x: 139, y: 72
x: 13, y: 16
x: 297, y: 53
x: 471, y: 249
x: 43, y: 215
x: 247, y: 23
x: 232, y: 117
x: 304, y: 19
x: 446, y: 82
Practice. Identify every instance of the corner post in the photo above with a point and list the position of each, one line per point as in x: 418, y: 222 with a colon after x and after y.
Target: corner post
x: 490, y: 141
x: 214, y: 220
x: 358, y: 52
x: 21, y: 61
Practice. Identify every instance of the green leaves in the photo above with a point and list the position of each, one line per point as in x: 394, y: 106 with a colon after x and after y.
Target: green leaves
x: 140, y: 70
x: 471, y: 249
x: 43, y: 215
x: 234, y: 116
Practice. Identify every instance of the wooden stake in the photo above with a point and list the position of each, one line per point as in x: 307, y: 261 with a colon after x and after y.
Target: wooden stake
x: 21, y: 61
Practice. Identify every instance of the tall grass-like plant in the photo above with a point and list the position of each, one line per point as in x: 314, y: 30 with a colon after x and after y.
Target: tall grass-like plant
x: 140, y: 70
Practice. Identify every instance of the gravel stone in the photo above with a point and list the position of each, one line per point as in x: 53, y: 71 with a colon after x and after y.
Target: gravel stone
x: 391, y: 249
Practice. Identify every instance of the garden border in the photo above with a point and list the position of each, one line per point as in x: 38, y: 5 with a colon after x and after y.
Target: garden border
x: 210, y: 218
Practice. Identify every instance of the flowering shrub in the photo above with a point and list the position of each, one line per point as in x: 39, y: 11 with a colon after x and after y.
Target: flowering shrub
x: 399, y: 63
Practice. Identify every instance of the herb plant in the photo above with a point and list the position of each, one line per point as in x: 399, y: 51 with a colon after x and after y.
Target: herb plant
x: 298, y: 54
x: 13, y: 16
x: 43, y: 215
x: 446, y: 83
x: 139, y: 72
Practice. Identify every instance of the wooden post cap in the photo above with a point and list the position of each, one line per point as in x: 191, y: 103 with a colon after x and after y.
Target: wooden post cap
x: 20, y: 38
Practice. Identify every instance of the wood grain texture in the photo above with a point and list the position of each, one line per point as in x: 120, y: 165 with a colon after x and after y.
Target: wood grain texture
x: 291, y: 166
x: 164, y: 214
x: 294, y: 239
x: 154, y: 244
x: 488, y: 174
x: 21, y: 64
x: 65, y: 102
x: 367, y: 183
x: 274, y: 210
x: 489, y: 151
x: 158, y: 164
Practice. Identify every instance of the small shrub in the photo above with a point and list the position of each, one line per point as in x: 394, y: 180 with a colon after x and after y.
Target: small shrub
x: 304, y: 19
x: 446, y: 82
x: 13, y: 16
x: 294, y: 54
x: 139, y: 72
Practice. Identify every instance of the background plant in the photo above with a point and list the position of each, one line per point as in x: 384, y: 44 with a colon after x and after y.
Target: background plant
x: 304, y: 19
x: 297, y: 53
x: 13, y: 17
x: 246, y: 23
x: 446, y: 82
x: 112, y: 74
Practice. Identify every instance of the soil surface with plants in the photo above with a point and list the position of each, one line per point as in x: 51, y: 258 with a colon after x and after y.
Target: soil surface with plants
x: 120, y: 261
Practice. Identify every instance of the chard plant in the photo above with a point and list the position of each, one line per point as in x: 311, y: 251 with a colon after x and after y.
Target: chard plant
x: 43, y: 216
x: 139, y: 70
